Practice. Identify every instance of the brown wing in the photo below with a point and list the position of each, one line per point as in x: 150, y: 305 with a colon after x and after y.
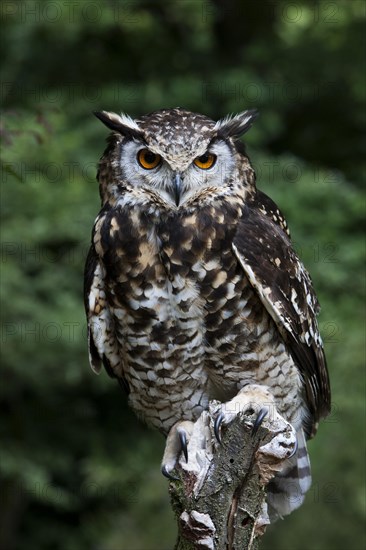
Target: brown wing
x: 102, y: 341
x: 263, y: 248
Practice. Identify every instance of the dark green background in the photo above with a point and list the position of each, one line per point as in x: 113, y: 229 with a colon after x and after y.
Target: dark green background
x: 78, y: 470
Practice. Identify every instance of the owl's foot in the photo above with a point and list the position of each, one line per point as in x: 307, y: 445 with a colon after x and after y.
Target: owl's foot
x: 252, y: 399
x: 258, y: 421
x: 176, y: 443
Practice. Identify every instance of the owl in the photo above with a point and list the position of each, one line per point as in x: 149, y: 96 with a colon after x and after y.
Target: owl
x: 192, y: 287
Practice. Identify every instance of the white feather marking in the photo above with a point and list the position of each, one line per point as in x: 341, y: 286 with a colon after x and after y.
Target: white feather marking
x: 126, y: 120
x: 273, y: 308
x: 231, y: 117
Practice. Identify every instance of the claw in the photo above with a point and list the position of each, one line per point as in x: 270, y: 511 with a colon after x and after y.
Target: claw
x: 258, y: 421
x: 217, y: 424
x: 183, y: 442
x: 167, y: 474
x: 295, y: 449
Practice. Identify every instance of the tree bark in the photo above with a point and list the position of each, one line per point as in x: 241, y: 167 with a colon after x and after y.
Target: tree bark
x: 220, y: 498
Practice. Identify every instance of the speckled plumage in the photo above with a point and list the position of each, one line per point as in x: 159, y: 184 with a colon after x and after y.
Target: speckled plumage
x: 189, y: 299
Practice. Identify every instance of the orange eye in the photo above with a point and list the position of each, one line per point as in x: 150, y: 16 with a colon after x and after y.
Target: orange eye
x: 147, y: 159
x: 205, y: 161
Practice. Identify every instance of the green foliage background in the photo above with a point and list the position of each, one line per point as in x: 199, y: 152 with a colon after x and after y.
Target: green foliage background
x: 78, y: 470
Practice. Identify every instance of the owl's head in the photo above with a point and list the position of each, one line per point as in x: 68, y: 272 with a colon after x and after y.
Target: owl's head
x: 174, y: 155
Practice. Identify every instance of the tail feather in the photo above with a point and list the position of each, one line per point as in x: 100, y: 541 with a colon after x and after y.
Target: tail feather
x: 286, y: 491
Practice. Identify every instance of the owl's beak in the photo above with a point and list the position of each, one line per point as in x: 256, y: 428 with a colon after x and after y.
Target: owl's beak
x: 177, y: 185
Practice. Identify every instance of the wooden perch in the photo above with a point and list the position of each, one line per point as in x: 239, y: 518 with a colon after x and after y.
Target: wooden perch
x: 220, y: 499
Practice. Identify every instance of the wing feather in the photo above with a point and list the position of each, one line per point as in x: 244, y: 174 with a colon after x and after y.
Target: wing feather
x: 102, y: 341
x: 264, y: 250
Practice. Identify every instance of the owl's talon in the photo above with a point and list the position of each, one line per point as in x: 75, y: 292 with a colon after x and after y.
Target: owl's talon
x: 167, y: 474
x: 175, y: 446
x: 217, y: 425
x: 295, y: 449
x: 183, y: 442
x: 258, y: 421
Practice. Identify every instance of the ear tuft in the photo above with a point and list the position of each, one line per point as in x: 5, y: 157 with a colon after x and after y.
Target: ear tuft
x: 237, y: 125
x: 123, y: 124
